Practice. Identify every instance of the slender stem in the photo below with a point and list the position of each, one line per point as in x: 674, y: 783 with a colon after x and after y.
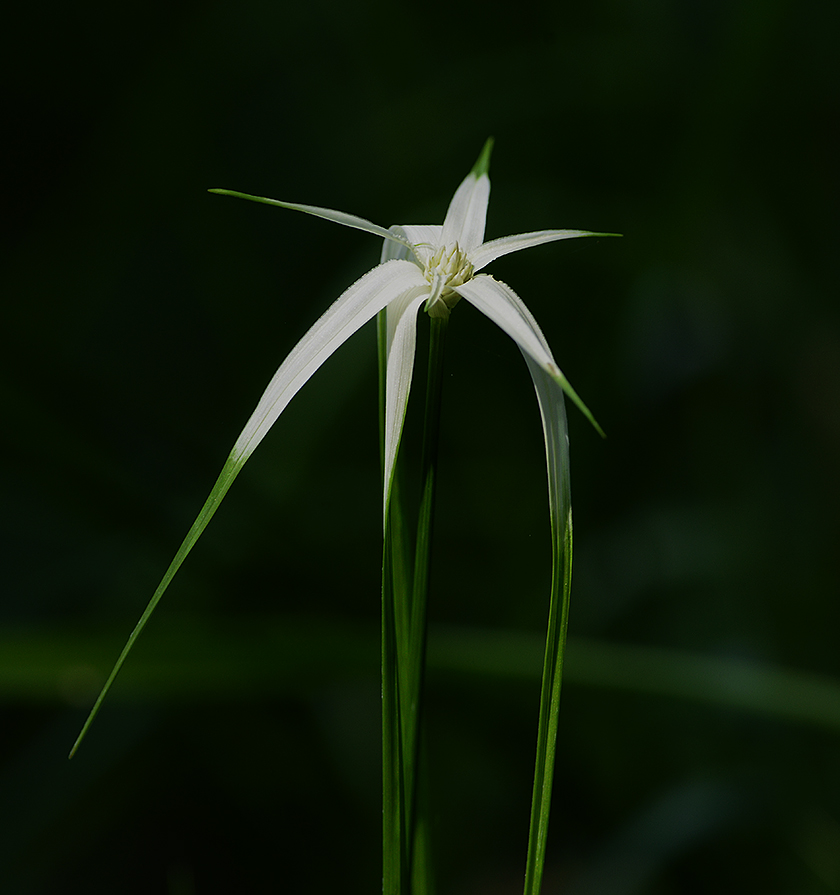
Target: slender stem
x: 413, y: 703
x: 431, y: 437
x: 405, y: 860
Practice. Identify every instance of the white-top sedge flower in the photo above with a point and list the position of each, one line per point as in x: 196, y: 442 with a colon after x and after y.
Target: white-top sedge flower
x: 433, y: 266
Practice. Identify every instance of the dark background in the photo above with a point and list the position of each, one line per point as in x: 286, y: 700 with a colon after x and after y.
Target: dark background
x: 142, y: 317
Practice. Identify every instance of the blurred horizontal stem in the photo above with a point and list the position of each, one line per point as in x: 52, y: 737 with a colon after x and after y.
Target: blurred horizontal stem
x: 230, y: 659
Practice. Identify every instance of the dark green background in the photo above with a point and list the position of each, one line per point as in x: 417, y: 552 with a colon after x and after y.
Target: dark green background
x: 142, y: 318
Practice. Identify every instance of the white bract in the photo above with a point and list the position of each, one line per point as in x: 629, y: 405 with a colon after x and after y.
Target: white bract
x: 422, y: 265
x: 433, y: 266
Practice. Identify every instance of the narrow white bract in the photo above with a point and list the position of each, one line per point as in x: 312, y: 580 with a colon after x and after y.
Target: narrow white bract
x: 422, y: 265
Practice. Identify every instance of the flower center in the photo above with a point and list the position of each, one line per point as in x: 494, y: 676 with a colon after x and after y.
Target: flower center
x: 445, y: 270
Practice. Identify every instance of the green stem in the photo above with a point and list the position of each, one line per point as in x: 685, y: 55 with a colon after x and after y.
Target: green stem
x: 406, y: 866
x: 555, y: 648
x: 413, y: 703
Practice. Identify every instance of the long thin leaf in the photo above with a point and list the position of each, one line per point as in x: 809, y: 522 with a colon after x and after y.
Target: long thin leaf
x: 394, y: 851
x: 329, y: 214
x: 231, y: 469
x: 553, y: 413
x: 396, y: 590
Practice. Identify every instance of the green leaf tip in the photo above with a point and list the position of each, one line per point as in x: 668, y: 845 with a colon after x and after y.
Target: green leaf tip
x: 482, y: 166
x: 238, y: 195
x: 233, y: 465
x: 576, y: 400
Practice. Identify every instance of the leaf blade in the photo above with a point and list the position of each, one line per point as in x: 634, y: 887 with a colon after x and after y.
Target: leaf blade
x: 229, y: 472
x: 348, y: 313
x: 484, y: 254
x: 329, y: 214
x: 553, y: 415
x: 506, y: 309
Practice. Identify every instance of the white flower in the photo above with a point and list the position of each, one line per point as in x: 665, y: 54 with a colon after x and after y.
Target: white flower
x: 431, y: 265
x: 434, y: 266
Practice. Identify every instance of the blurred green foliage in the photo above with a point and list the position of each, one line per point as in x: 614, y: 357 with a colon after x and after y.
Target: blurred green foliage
x: 143, y: 317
